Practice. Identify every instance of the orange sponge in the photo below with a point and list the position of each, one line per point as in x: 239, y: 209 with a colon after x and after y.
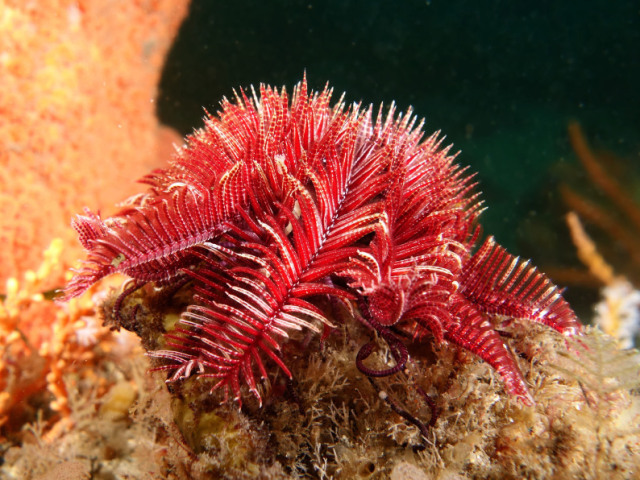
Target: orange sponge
x: 77, y: 114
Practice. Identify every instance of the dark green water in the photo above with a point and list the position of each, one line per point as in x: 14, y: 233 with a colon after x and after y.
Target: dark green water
x: 501, y: 78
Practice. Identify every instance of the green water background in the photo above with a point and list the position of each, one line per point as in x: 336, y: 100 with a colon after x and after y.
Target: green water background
x: 500, y: 78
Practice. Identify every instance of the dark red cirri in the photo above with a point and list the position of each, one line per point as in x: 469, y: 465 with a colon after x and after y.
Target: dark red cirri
x: 275, y: 203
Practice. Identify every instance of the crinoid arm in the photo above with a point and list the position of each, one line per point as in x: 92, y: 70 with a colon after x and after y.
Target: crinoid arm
x: 151, y: 242
x: 470, y: 329
x: 498, y: 283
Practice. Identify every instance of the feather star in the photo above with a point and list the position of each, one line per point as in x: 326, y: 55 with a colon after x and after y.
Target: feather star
x: 276, y: 203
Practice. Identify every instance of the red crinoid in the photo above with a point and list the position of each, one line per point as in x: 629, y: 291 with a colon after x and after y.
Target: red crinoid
x: 275, y: 204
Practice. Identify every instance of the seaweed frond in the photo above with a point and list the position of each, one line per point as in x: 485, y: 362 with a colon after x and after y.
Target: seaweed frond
x: 609, y: 378
x: 597, y: 363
